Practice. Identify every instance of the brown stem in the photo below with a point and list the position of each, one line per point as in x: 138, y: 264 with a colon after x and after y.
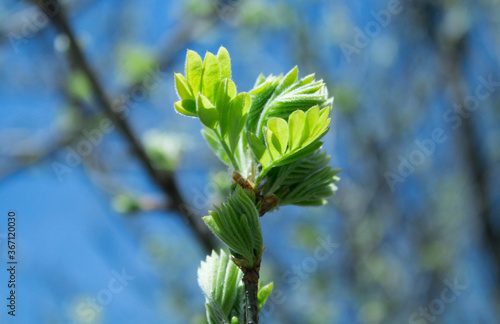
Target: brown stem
x: 251, y: 281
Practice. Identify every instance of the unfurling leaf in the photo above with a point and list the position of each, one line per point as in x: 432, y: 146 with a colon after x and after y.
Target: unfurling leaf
x: 260, y: 95
x: 281, y: 96
x: 306, y: 182
x: 237, y: 224
x: 220, y: 280
x: 289, y: 79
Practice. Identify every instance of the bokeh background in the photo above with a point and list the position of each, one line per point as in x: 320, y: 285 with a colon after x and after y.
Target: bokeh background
x: 107, y: 233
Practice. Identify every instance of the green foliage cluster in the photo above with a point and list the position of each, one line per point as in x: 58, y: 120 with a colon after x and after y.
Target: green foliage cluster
x: 280, y: 121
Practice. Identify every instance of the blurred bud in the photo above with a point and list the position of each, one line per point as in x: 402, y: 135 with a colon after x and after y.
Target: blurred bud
x: 126, y: 204
x: 78, y: 86
x: 202, y: 8
x: 135, y: 62
x: 164, y: 149
x: 221, y: 185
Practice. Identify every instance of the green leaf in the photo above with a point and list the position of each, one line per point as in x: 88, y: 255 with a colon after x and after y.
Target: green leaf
x: 238, y: 111
x: 214, y: 143
x: 226, y: 92
x: 312, y: 116
x: 206, y: 111
x: 194, y: 71
x: 299, y: 153
x: 296, y: 123
x: 259, y: 149
x: 183, y: 89
x: 273, y: 144
x: 186, y: 107
x: 279, y: 128
x: 211, y: 76
x: 263, y: 294
x: 225, y: 63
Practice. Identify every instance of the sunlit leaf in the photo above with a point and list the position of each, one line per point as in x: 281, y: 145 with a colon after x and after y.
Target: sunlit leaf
x: 211, y: 76
x: 279, y: 128
x: 186, y: 107
x: 225, y: 63
x: 259, y: 149
x: 225, y: 92
x: 312, y: 116
x: 183, y: 89
x: 298, y: 142
x: 194, y: 71
x: 296, y: 126
x: 238, y: 111
x: 206, y: 111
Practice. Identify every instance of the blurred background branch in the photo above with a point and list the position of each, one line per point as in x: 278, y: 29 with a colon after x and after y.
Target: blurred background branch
x: 165, y: 180
x: 412, y: 213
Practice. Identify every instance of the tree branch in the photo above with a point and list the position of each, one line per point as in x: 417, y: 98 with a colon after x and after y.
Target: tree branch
x: 251, y: 281
x: 164, y: 180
